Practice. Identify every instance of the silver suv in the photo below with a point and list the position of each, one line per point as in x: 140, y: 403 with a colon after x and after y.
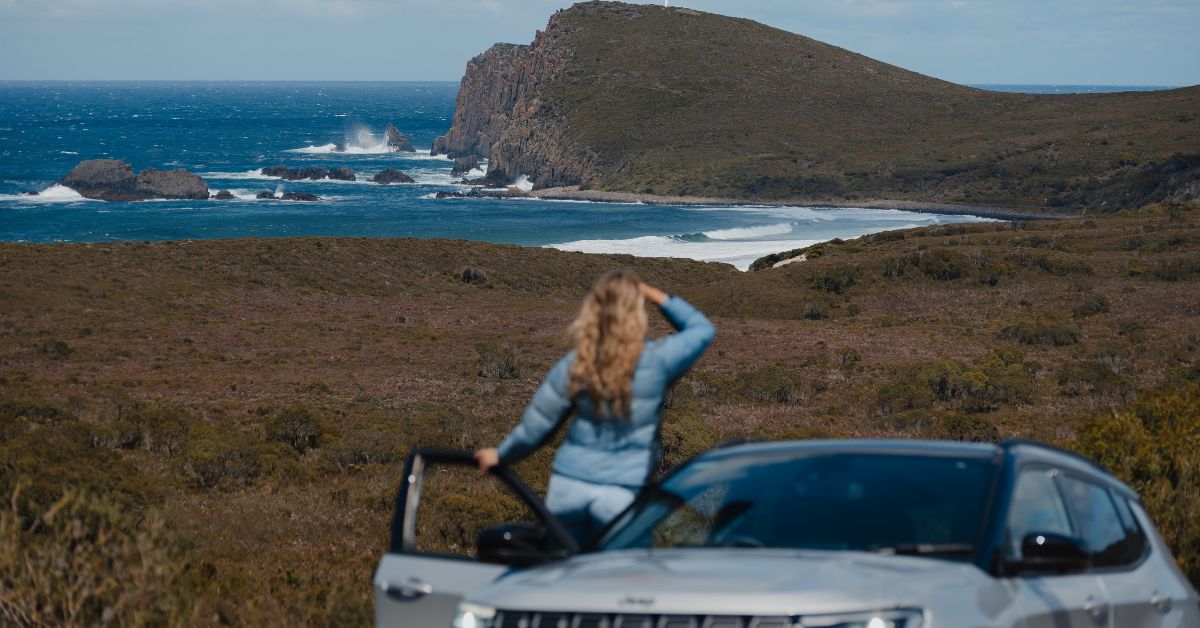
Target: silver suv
x: 836, y: 534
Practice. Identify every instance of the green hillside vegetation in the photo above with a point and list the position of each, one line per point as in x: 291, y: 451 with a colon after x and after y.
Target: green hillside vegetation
x: 679, y: 102
x: 221, y: 423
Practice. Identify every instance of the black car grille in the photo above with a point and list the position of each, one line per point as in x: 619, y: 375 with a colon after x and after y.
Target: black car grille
x: 525, y: 619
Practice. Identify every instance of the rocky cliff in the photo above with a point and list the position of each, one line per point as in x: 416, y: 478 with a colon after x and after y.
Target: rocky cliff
x: 671, y: 101
x: 489, y: 90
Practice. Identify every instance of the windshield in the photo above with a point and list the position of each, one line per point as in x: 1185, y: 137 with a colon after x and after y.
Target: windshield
x: 843, y: 501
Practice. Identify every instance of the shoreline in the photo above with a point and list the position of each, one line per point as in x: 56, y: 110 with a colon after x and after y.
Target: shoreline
x: 999, y: 212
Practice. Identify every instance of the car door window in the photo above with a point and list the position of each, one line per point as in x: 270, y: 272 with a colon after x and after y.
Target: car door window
x: 1101, y: 524
x: 457, y: 503
x: 1037, y: 506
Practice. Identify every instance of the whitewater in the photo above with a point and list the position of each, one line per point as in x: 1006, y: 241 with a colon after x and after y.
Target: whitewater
x: 228, y: 132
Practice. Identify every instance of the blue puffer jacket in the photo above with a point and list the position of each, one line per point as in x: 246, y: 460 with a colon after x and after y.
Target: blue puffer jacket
x: 607, y: 450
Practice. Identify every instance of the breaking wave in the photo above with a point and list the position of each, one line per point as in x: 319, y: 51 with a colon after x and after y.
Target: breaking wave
x: 746, y: 233
x: 738, y: 253
x: 54, y: 194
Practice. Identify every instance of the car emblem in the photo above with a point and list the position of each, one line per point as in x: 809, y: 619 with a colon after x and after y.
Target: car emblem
x: 635, y: 600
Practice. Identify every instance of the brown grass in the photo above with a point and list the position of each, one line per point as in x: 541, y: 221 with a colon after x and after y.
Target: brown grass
x: 256, y: 397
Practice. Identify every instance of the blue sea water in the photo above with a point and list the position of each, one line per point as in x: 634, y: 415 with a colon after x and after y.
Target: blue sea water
x: 227, y: 131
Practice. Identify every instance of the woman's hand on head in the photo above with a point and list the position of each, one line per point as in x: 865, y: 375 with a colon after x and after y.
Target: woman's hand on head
x: 488, y: 459
x: 652, y: 294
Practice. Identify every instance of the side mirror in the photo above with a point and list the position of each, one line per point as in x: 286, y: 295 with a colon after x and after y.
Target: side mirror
x: 1048, y: 552
x: 518, y: 545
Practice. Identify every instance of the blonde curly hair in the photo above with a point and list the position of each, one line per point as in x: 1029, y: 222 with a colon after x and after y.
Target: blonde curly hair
x: 609, y: 334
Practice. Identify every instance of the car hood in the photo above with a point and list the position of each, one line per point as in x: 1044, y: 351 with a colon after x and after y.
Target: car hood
x: 735, y: 581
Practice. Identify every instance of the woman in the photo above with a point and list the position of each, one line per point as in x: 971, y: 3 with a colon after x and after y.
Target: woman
x: 614, y: 380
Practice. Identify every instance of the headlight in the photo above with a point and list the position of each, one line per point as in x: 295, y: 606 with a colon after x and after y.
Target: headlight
x: 883, y: 619
x: 473, y: 616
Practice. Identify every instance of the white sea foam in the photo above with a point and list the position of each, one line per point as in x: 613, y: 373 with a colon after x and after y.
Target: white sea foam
x: 53, y: 194
x: 523, y: 183
x: 738, y: 253
x: 745, y: 233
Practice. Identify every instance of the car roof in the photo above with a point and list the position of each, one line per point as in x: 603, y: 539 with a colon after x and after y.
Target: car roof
x: 898, y: 447
x: 1023, y: 451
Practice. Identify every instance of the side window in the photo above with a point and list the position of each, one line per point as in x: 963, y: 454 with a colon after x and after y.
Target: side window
x: 1105, y: 527
x: 1036, y: 506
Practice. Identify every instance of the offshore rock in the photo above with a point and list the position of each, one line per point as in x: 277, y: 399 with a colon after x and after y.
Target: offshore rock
x: 394, y: 139
x: 314, y: 173
x: 265, y: 194
x: 224, y: 195
x: 171, y: 184
x: 391, y: 175
x: 114, y: 180
x: 299, y: 196
x: 342, y: 173
x: 463, y: 165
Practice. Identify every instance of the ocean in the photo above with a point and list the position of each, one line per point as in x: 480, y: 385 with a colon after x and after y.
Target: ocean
x: 227, y: 131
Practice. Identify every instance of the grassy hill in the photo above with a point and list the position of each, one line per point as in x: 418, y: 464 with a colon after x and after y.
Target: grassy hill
x: 642, y: 98
x: 225, y: 420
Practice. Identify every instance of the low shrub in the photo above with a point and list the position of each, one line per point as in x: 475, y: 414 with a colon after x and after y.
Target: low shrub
x: 1093, y: 303
x: 498, y: 362
x: 944, y: 265
x: 836, y: 280
x: 969, y: 428
x: 1084, y: 378
x: 212, y: 460
x: 815, y: 311
x: 297, y: 428
x: 1154, y: 446
x: 88, y: 561
x: 1042, y: 333
x: 770, y: 384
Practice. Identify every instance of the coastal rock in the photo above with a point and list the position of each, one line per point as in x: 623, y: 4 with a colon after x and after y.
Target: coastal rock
x: 397, y: 141
x: 391, y: 175
x: 444, y: 194
x: 342, y: 173
x: 465, y: 164
x: 314, y: 173
x: 299, y: 196
x: 178, y: 183
x: 114, y: 180
x: 224, y: 195
x: 105, y: 179
x: 265, y: 194
x: 502, y: 115
x: 490, y: 88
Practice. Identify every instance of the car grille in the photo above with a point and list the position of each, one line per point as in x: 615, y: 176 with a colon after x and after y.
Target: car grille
x: 525, y: 619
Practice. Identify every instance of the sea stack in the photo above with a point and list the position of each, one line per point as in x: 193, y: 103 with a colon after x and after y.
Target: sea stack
x: 397, y: 141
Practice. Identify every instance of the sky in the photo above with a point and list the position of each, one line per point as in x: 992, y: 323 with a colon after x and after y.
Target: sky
x: 1078, y: 42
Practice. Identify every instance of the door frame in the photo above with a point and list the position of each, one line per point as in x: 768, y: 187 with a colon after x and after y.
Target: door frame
x: 408, y: 499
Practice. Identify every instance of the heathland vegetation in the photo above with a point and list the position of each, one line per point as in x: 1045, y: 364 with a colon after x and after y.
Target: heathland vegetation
x: 212, y: 431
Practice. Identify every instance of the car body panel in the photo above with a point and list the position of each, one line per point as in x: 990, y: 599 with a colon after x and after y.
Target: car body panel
x: 413, y: 591
x: 724, y: 581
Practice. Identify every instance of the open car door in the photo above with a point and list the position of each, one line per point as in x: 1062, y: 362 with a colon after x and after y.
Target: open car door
x: 454, y: 531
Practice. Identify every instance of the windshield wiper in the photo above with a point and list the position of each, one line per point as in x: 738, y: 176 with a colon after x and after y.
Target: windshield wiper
x: 922, y: 549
